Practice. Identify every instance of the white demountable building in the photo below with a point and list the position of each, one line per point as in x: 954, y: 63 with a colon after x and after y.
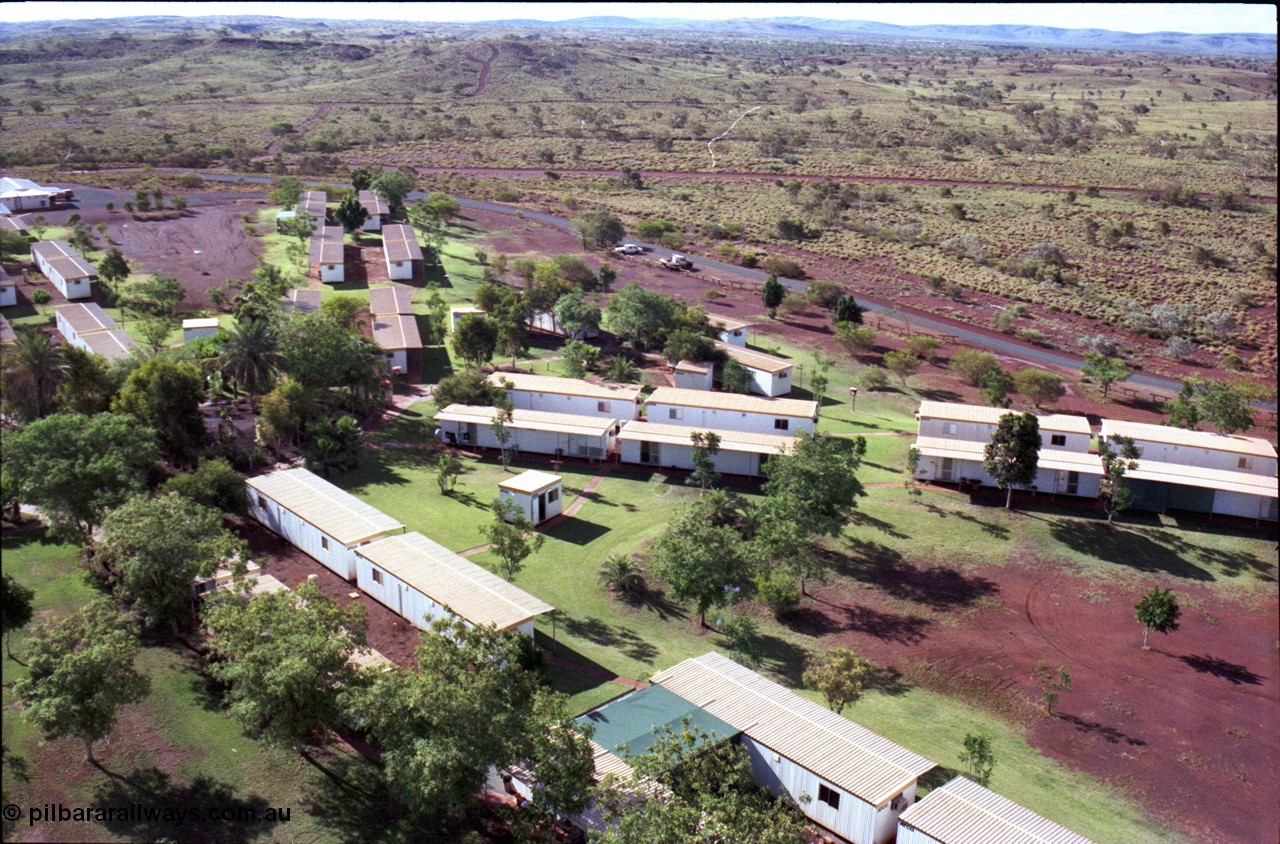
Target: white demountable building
x: 731, y: 411
x: 550, y: 394
x: 86, y: 326
x: 317, y: 517
x: 65, y: 267
x: 8, y: 288
x: 539, y: 495
x: 770, y: 375
x: 328, y: 255
x: 457, y: 315
x: 857, y: 782
x: 963, y: 812
x: 741, y: 453
x: 421, y: 580
x: 401, y: 250
x: 536, y: 432
x: 194, y: 329
x: 694, y: 376
x: 377, y: 209
x: 731, y: 331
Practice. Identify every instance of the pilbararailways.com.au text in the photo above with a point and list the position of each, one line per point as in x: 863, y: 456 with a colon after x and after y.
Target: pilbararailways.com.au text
x: 139, y: 813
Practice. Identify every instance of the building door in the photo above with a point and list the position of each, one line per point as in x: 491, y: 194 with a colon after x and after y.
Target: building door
x: 947, y: 472
x: 471, y: 433
x: 540, y: 509
x: 650, y: 452
x: 400, y: 599
x: 1073, y: 483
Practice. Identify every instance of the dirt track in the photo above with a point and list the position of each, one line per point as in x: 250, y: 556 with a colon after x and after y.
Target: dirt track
x: 1189, y: 726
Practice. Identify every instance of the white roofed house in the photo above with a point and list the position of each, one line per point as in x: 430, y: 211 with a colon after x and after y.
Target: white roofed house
x: 317, y: 517
x: 740, y: 452
x: 1199, y: 471
x: 194, y: 329
x: 421, y: 580
x: 377, y: 209
x: 731, y: 331
x: 731, y: 411
x: 328, y: 255
x: 963, y: 812
x: 18, y: 195
x: 569, y: 395
x: 87, y: 326
x: 313, y: 204
x: 539, y: 495
x: 694, y: 376
x: 952, y: 443
x: 857, y: 782
x: 770, y: 375
x: 395, y: 328
x: 458, y: 314
x: 303, y: 299
x: 8, y: 289
x: 65, y: 267
x: 537, y: 432
x: 401, y: 250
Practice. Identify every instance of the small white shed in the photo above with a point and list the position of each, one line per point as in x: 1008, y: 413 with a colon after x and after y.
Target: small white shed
x: 194, y: 329
x: 770, y: 375
x: 731, y: 331
x: 457, y: 315
x: 539, y: 495
x: 962, y: 811
x: 317, y: 517
x: 694, y: 376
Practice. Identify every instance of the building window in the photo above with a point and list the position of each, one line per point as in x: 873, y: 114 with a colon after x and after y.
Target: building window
x: 1058, y: 439
x: 829, y: 796
x: 781, y: 424
x: 952, y: 428
x: 262, y: 502
x: 604, y: 407
x: 377, y: 577
x: 1245, y: 463
x: 674, y: 413
x: 324, y: 542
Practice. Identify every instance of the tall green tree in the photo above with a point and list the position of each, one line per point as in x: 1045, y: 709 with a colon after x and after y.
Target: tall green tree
x: 847, y: 311
x: 114, y: 267
x: 1225, y: 407
x: 334, y: 445
x: 1012, y: 456
x: 978, y: 758
x: 1104, y: 370
x: 839, y: 676
x: 76, y: 468
x: 700, y: 562
x: 1119, y: 456
x: 815, y: 486
x: 350, y: 214
x: 392, y: 186
x: 285, y: 657
x: 15, y: 608
x: 165, y: 395
x: 576, y: 315
x: 425, y: 719
x: 475, y: 340
x: 902, y: 364
x: 640, y: 317
x: 33, y: 368
x: 771, y: 295
x: 153, y: 548
x: 215, y: 484
x: 706, y: 445
x: 1157, y: 610
x: 157, y: 295
x: 286, y: 193
x: 598, y: 227
x: 735, y: 378
x: 80, y: 671
x: 1183, y: 411
x: 1040, y: 386
x: 361, y: 177
x: 512, y: 536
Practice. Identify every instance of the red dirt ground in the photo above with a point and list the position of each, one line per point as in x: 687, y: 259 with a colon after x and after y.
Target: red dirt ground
x: 1189, y: 727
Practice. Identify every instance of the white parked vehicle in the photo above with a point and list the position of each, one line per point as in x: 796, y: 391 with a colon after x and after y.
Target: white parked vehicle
x: 627, y: 249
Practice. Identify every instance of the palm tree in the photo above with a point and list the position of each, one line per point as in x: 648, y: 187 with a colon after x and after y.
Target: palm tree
x: 621, y: 370
x: 33, y: 368
x: 620, y: 575
x: 722, y: 507
x: 250, y: 357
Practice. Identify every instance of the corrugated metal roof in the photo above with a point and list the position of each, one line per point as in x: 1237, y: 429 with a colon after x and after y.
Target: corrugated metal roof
x: 86, y: 317
x: 401, y: 250
x: 12, y: 224
x: 334, y: 511
x: 467, y: 310
x: 6, y: 332
x: 390, y: 300
x: 399, y: 231
x: 396, y: 331
x: 529, y: 383
x: 963, y: 812
x: 530, y: 482
x: 845, y: 754
x: 326, y: 246
x: 470, y: 591
x: 1182, y: 437
x: 729, y: 440
x: 734, y: 402
x: 531, y: 420
x: 1199, y: 476
x: 1050, y: 458
x: 313, y: 204
x: 369, y: 658
x: 306, y: 301
x: 372, y: 203
x: 690, y: 366
x: 209, y: 322
x: 725, y: 323
x: 110, y: 344
x: 69, y: 263
x: 1063, y: 422
x: 265, y: 585
x: 753, y: 359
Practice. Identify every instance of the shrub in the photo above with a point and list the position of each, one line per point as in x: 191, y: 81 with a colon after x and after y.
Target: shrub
x: 41, y: 297
x: 777, y: 592
x: 823, y: 293
x: 1038, y: 385
x: 971, y: 365
x: 924, y: 346
x: 671, y: 240
x: 1178, y: 348
x: 783, y: 267
x: 855, y: 338
x: 873, y: 378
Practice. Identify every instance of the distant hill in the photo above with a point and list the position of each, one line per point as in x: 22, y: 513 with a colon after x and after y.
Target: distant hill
x: 1007, y: 35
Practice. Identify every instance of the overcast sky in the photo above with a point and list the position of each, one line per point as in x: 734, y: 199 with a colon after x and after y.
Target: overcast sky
x: 1124, y: 17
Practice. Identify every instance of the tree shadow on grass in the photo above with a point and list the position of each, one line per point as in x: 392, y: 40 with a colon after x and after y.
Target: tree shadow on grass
x: 886, y: 626
x: 156, y: 794
x: 353, y: 804
x: 578, y: 531
x: 656, y: 601
x: 939, y: 395
x: 989, y: 528
x: 617, y: 637
x: 783, y: 658
x: 888, y: 681
x: 860, y: 519
x: 1231, y: 672
x: 935, y: 587
x: 1138, y: 548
